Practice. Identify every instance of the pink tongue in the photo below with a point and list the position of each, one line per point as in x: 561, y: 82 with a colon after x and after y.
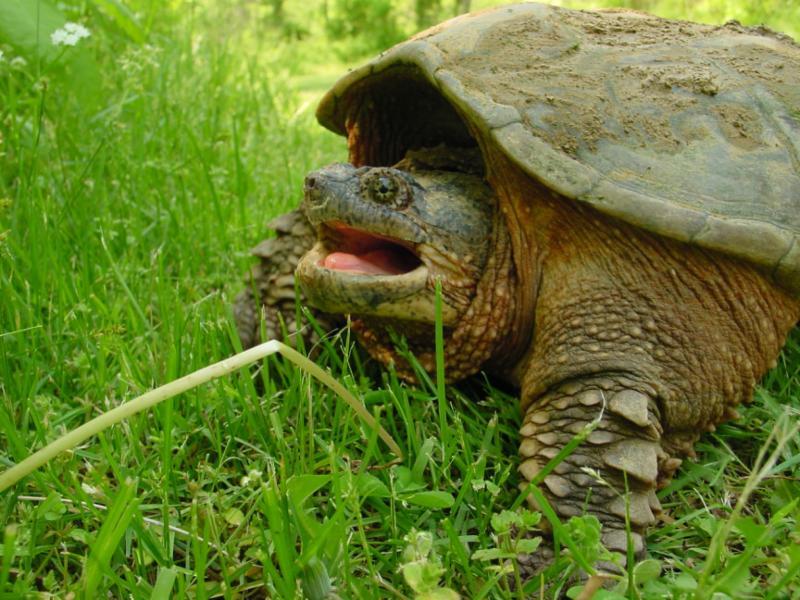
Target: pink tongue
x: 375, y: 262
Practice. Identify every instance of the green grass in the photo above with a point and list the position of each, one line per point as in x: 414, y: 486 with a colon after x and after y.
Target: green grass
x: 134, y: 177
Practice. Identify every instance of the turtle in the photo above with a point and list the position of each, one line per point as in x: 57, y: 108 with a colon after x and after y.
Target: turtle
x: 610, y: 204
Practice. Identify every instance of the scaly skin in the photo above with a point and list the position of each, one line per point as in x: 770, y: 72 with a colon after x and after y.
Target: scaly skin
x: 624, y: 452
x: 661, y: 338
x: 272, y: 279
x: 620, y: 461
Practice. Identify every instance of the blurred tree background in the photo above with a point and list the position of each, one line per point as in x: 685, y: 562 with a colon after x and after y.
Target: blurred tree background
x: 361, y: 25
x: 376, y: 24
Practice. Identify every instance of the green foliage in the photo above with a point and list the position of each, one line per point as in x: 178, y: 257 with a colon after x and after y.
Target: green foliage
x: 427, y: 12
x: 27, y: 29
x: 115, y: 525
x: 781, y: 15
x: 422, y: 569
x: 371, y: 25
x: 131, y: 186
x: 27, y: 26
x: 513, y: 536
x: 584, y: 532
x: 641, y: 582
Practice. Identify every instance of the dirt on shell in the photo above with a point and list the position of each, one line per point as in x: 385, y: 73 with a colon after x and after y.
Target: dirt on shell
x: 579, y: 78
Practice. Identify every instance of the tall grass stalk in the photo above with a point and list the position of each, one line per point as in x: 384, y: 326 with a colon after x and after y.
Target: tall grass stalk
x: 185, y: 383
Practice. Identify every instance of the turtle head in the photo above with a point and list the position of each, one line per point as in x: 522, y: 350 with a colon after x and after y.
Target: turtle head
x: 385, y: 236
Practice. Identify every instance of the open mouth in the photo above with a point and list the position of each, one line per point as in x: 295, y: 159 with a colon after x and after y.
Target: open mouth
x: 361, y: 252
x: 353, y: 271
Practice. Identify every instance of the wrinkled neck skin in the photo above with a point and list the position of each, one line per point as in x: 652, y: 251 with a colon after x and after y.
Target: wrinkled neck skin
x: 483, y: 327
x: 694, y: 329
x: 495, y: 303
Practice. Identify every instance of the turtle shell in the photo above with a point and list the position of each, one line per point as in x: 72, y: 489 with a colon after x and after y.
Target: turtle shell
x: 690, y: 131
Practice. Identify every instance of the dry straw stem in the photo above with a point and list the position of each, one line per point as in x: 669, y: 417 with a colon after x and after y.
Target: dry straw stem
x: 187, y: 382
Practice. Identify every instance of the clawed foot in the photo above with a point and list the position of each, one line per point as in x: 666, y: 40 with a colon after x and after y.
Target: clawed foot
x: 610, y: 476
x: 580, y: 556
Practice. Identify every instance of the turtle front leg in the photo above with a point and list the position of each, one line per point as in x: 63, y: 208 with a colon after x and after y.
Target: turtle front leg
x: 662, y: 338
x: 614, y: 473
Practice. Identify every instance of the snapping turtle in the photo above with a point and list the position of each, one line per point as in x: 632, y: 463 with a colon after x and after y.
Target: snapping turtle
x: 626, y: 249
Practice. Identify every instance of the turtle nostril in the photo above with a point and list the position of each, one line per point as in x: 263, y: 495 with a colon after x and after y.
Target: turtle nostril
x: 311, y: 182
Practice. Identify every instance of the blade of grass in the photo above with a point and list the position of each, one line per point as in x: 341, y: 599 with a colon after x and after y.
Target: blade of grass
x: 439, y: 349
x: 200, y: 549
x: 794, y: 569
x: 164, y: 582
x: 568, y: 449
x: 276, y: 511
x: 558, y: 529
x: 559, y: 533
x: 782, y: 434
x: 119, y: 516
x: 121, y: 279
x: 9, y: 545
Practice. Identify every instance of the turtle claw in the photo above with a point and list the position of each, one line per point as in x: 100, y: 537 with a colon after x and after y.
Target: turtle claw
x: 533, y: 573
x: 533, y: 564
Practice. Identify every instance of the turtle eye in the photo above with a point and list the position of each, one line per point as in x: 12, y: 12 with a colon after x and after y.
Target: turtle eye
x: 386, y: 188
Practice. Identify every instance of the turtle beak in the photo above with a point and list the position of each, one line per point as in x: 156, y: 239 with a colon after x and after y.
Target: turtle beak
x: 321, y: 189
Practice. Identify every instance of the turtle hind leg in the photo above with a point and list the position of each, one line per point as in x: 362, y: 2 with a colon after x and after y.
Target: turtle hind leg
x: 613, y: 474
x: 269, y: 298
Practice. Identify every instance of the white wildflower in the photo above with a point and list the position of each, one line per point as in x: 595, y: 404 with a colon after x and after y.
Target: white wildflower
x: 1, y: 56
x: 18, y: 62
x: 69, y: 35
x: 252, y: 477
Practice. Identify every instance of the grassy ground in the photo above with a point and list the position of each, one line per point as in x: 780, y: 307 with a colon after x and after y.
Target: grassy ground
x: 136, y: 171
